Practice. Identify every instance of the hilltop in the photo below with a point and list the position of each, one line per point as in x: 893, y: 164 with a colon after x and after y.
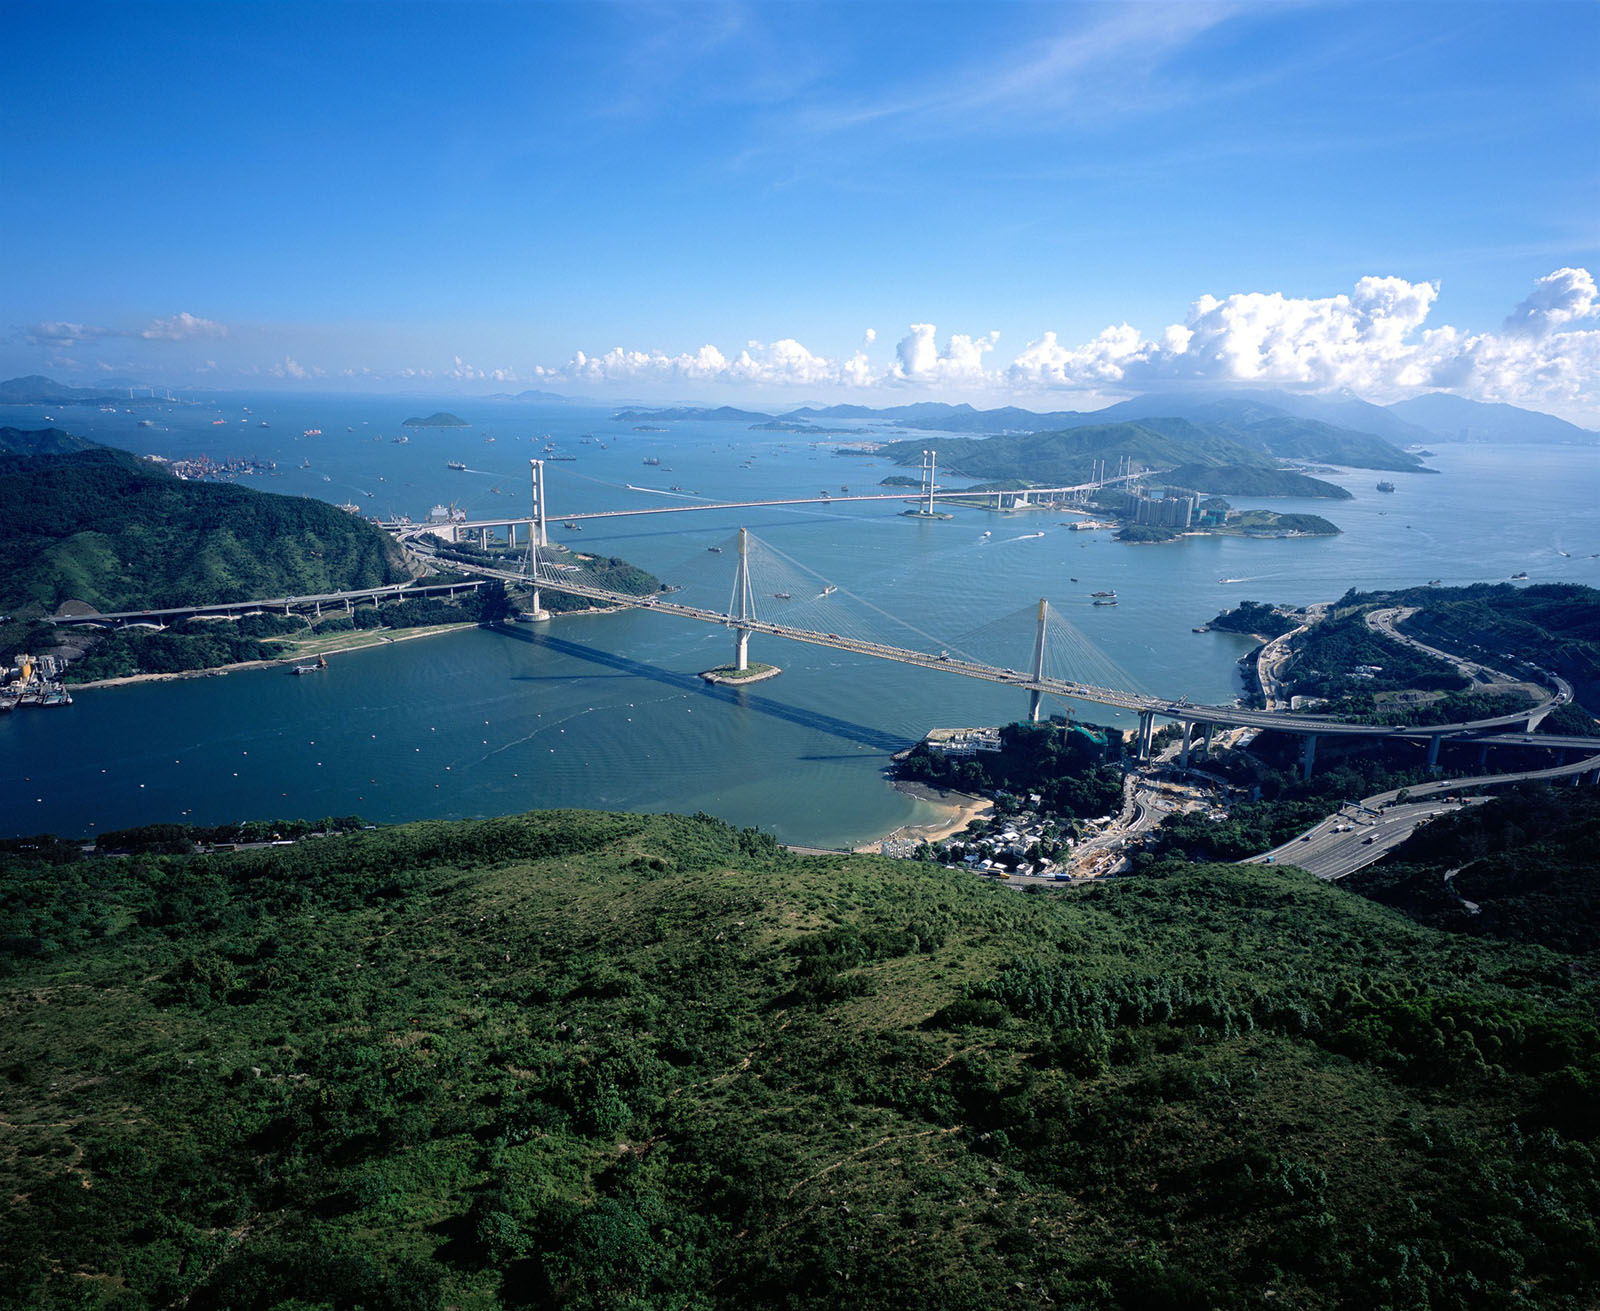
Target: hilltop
x: 103, y: 527
x: 438, y: 419
x: 591, y: 1060
x: 1217, y: 459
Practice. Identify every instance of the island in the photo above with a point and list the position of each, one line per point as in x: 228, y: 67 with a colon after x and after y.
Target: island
x: 438, y: 419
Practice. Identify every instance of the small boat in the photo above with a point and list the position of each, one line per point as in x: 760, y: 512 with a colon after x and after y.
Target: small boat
x: 1106, y: 601
x: 1025, y: 536
x: 307, y: 464
x: 780, y: 596
x: 487, y: 440
x: 322, y: 663
x: 987, y: 533
x: 1386, y: 486
x: 401, y: 440
x: 312, y: 432
x: 829, y: 590
x: 456, y: 465
x: 263, y: 424
x: 651, y: 461
x: 715, y: 550
x: 568, y: 523
x: 1100, y: 594
x: 1072, y: 580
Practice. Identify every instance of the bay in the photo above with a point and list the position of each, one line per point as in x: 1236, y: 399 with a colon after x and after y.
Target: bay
x: 607, y: 711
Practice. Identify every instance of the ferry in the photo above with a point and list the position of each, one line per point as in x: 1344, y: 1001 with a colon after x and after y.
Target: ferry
x: 1386, y: 487
x: 1097, y: 594
x: 312, y: 432
x: 1105, y: 600
x: 457, y: 466
x: 651, y: 461
x: 302, y: 670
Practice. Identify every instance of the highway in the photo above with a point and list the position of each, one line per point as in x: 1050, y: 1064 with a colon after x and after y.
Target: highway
x: 391, y: 590
x: 1364, y: 833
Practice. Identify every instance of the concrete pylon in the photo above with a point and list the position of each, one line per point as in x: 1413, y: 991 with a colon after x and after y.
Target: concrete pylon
x: 741, y: 609
x: 538, y: 530
x: 1188, y: 735
x: 1035, y: 696
x: 1308, y: 755
x: 536, y: 609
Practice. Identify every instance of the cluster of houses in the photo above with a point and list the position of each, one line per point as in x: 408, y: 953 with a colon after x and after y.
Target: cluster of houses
x: 1025, y: 843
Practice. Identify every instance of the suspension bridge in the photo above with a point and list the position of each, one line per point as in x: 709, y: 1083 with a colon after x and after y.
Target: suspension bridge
x: 776, y: 596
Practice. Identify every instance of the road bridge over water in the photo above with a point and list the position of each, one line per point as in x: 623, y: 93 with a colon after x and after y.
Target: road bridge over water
x: 544, y: 573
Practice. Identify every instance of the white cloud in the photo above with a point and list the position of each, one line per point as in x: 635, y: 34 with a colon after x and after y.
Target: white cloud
x: 1556, y: 300
x: 1372, y: 340
x: 288, y: 367
x: 56, y: 334
x: 870, y: 335
x: 182, y: 327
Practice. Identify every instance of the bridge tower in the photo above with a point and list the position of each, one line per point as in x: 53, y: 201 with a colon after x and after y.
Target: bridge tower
x: 536, y: 609
x: 741, y: 608
x: 1036, y: 697
x: 930, y: 460
x: 537, y: 528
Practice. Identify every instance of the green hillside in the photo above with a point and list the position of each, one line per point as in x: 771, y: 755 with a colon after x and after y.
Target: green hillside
x: 119, y: 533
x: 1057, y: 458
x: 596, y: 1061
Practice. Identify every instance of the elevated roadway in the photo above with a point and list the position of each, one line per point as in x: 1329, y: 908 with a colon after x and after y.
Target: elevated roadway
x: 228, y: 609
x: 1148, y: 707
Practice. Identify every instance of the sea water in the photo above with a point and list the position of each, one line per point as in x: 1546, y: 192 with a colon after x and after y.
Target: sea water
x: 607, y: 710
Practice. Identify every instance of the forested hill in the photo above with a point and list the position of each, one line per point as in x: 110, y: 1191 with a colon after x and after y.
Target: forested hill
x: 1071, y: 456
x: 597, y: 1061
x: 119, y: 533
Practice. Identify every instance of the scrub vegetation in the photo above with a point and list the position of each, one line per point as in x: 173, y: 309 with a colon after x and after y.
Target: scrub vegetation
x: 595, y: 1060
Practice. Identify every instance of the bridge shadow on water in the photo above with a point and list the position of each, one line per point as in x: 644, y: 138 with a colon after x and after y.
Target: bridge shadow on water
x: 863, y: 734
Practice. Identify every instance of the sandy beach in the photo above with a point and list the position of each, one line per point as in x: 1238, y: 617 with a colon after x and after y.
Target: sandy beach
x: 960, y: 808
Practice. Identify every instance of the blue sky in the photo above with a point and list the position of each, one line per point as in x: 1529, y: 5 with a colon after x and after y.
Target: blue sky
x: 1044, y: 203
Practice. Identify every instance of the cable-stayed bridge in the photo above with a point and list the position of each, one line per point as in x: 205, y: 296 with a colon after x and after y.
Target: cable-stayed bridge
x: 776, y: 596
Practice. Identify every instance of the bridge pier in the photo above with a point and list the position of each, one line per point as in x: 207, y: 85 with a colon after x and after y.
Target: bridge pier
x: 1308, y: 755
x: 1036, y: 697
x: 511, y: 536
x: 1433, y: 750
x: 483, y: 539
x: 1147, y: 721
x: 1205, y: 749
x: 1188, y: 732
x: 1483, y: 756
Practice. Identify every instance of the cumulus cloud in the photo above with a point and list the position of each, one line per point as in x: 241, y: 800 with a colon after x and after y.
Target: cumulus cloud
x: 1557, y: 299
x: 288, y: 367
x: 1373, y: 340
x: 182, y: 327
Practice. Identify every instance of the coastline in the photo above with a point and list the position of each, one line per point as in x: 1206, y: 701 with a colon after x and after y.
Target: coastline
x: 373, y: 637
x: 960, y: 808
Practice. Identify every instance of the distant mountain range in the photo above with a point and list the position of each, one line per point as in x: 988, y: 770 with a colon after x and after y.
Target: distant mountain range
x: 1343, y: 417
